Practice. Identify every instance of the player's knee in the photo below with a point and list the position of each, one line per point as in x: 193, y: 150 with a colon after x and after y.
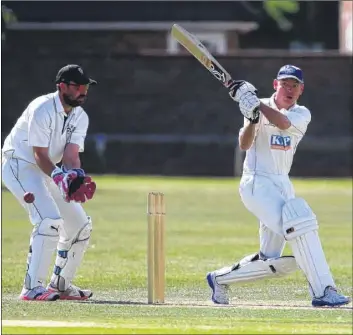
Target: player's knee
x: 298, y: 218
x: 82, y: 235
x: 85, y: 233
x: 48, y: 227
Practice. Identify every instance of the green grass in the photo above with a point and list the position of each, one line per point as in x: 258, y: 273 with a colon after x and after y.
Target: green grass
x: 207, y: 227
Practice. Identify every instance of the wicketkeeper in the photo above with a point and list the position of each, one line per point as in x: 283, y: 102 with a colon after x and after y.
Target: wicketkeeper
x: 52, y: 129
x: 272, y: 130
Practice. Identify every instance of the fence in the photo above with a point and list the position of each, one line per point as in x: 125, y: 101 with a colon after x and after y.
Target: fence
x: 223, y: 159
x: 341, y: 145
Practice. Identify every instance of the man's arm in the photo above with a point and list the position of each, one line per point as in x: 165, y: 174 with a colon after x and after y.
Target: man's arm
x: 41, y: 155
x: 39, y: 138
x: 278, y: 119
x: 71, y: 157
x: 247, y: 135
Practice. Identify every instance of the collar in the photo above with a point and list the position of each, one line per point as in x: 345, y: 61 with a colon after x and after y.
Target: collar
x: 272, y: 102
x: 58, y: 106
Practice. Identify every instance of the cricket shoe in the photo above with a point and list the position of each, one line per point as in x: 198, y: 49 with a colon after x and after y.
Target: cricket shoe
x: 38, y: 293
x: 72, y: 293
x: 220, y: 293
x: 330, y: 298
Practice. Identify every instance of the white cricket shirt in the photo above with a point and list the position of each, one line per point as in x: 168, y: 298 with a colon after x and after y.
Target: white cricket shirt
x: 273, y: 149
x: 44, y: 123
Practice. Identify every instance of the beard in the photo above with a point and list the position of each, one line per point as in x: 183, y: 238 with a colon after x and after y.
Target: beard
x: 73, y: 102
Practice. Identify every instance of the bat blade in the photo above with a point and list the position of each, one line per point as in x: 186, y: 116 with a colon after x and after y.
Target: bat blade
x: 191, y: 43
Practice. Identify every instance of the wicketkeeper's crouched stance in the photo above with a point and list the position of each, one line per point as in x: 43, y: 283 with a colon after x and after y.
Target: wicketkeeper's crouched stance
x: 272, y: 129
x: 52, y: 129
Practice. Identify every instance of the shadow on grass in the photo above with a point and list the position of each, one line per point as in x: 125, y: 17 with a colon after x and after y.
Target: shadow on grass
x: 202, y: 304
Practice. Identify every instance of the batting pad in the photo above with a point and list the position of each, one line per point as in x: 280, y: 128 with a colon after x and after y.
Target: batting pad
x: 257, y: 269
x: 301, y: 231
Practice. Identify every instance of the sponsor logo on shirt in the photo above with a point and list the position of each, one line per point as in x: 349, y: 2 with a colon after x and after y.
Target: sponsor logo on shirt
x: 279, y: 142
x: 69, y: 130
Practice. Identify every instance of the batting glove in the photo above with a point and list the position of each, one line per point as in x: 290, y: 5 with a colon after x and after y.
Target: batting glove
x: 249, y: 106
x: 239, y: 87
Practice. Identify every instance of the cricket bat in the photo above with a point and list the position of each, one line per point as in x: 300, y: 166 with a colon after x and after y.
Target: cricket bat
x: 191, y: 43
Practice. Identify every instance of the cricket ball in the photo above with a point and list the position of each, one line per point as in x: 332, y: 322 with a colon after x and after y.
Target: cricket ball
x: 28, y: 197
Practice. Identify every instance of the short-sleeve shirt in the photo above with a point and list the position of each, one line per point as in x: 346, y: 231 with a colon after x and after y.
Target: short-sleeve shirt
x: 44, y: 123
x: 273, y: 149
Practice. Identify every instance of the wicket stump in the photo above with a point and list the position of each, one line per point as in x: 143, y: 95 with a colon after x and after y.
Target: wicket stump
x: 156, y: 248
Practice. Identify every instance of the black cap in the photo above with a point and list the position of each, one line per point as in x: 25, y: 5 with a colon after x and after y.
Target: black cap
x: 73, y: 73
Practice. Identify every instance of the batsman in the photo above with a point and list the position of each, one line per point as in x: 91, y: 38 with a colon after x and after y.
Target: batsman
x: 52, y: 129
x: 273, y: 128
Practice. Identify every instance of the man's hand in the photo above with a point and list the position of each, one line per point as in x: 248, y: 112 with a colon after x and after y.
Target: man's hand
x: 240, y: 87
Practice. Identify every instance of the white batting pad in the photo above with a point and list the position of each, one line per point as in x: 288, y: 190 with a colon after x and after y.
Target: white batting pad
x: 300, y: 230
x: 257, y: 269
x: 42, y: 246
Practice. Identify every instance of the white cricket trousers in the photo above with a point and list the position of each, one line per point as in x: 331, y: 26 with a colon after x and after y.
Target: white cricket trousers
x: 264, y: 195
x: 20, y: 177
x: 56, y: 223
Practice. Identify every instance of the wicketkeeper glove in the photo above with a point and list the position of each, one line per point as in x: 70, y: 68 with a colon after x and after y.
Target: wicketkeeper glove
x: 60, y: 179
x: 78, y: 171
x: 81, y: 187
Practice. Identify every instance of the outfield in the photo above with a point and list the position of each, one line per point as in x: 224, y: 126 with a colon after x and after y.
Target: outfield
x: 207, y: 227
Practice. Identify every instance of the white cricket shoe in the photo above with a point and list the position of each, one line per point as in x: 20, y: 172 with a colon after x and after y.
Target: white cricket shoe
x: 330, y: 298
x: 220, y: 293
x: 38, y: 293
x: 72, y: 293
